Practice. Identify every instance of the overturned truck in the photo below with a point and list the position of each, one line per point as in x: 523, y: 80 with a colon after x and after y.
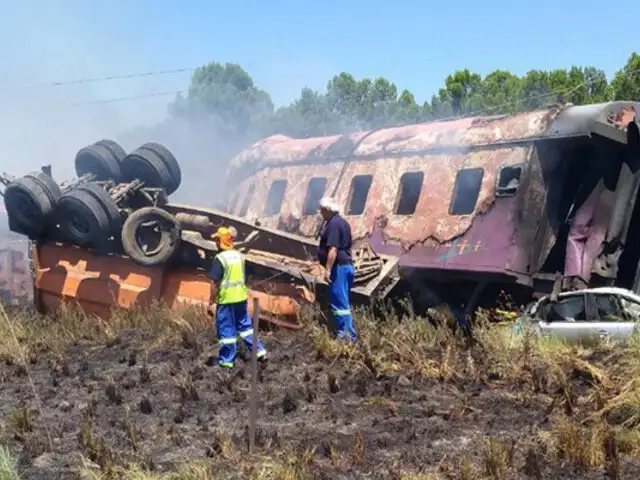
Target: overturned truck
x: 111, y: 237
x: 470, y: 207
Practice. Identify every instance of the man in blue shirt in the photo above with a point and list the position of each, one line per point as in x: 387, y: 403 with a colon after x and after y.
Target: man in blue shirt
x: 334, y: 254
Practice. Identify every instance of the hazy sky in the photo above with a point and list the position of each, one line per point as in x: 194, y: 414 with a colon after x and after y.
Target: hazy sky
x: 285, y: 45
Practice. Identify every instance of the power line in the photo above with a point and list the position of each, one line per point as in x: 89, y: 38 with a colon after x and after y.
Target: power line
x: 98, y: 79
x: 511, y: 103
x: 124, y: 99
x: 97, y: 102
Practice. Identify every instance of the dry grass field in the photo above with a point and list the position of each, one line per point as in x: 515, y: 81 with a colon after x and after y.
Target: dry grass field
x: 136, y: 399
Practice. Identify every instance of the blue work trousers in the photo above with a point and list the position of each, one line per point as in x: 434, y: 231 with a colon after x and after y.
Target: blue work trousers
x: 233, y: 321
x: 339, y: 295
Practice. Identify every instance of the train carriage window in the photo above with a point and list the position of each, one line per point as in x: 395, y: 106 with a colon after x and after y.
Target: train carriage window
x: 315, y: 191
x: 275, y: 197
x: 466, y: 191
x: 409, y: 194
x: 247, y: 201
x: 360, y: 185
x: 508, y: 180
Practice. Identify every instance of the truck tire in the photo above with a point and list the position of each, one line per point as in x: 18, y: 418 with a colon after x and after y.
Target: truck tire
x: 164, y: 236
x: 170, y: 162
x: 48, y: 184
x: 103, y: 197
x: 84, y: 220
x: 99, y: 161
x: 114, y: 147
x: 148, y: 166
x: 30, y: 202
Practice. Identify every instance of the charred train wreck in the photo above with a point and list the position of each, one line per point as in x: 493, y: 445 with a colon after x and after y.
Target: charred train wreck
x: 469, y: 206
x: 447, y: 212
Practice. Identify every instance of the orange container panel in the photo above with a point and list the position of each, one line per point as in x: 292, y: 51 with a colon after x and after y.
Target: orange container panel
x: 98, y: 284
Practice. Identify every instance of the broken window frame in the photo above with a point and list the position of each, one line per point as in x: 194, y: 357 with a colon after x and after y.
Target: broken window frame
x: 503, y: 191
x: 352, y: 191
x: 454, y: 193
x: 401, y: 191
x: 269, y: 212
x: 306, y: 208
x: 244, y: 208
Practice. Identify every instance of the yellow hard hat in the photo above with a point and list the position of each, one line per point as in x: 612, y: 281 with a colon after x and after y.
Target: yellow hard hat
x: 224, y: 237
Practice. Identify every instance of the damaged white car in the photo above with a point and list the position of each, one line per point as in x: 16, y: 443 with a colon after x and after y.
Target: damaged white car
x: 604, y: 312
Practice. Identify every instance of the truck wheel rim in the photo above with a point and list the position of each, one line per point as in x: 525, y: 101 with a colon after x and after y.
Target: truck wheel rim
x: 149, y: 238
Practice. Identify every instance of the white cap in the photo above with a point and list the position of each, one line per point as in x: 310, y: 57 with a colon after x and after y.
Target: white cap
x: 330, y: 204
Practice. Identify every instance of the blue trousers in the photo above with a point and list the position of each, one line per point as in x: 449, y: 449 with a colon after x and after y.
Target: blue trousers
x: 233, y: 321
x: 339, y: 293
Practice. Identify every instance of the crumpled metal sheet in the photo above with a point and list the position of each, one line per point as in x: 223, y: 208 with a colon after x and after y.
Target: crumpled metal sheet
x: 501, y: 233
x: 473, y: 131
x: 275, y: 158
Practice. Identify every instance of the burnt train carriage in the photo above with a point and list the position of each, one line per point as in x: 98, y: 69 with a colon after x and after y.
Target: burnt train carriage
x: 505, y: 200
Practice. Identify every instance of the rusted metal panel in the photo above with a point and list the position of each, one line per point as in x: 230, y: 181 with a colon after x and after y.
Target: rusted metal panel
x: 471, y: 132
x: 501, y: 235
x: 623, y: 117
x: 431, y: 219
x: 529, y: 213
x: 431, y: 227
x: 467, y: 132
x: 282, y: 149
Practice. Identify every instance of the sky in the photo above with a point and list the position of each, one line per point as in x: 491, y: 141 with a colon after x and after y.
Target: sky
x: 285, y: 45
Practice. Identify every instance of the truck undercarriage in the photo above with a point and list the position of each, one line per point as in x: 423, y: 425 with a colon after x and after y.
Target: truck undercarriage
x: 118, y: 207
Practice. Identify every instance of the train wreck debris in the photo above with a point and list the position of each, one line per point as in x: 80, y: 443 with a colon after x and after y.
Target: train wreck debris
x: 441, y: 211
x: 112, y: 229
x: 497, y: 203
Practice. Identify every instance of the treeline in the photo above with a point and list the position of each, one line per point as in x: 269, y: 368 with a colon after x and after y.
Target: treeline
x: 224, y: 110
x: 228, y: 93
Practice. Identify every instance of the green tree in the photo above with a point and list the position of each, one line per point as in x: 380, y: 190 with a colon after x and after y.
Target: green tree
x: 502, y: 91
x: 626, y: 82
x: 463, y: 91
x: 227, y: 94
x: 307, y: 116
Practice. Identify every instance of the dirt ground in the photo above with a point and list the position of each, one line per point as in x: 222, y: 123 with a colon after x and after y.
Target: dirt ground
x: 323, y: 412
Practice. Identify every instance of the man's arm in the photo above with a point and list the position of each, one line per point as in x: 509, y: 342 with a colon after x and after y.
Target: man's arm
x: 215, y: 274
x: 333, y: 242
x: 331, y: 258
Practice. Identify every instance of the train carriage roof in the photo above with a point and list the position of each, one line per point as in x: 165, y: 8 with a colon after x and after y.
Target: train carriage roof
x: 612, y: 120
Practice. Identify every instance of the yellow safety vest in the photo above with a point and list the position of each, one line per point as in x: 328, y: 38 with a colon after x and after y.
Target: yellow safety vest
x: 232, y: 288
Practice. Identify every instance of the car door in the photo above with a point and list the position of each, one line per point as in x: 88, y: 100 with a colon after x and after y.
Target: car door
x: 631, y: 310
x: 612, y: 320
x: 567, y: 318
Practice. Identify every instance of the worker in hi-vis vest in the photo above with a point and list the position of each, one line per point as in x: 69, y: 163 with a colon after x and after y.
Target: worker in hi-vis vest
x: 231, y: 294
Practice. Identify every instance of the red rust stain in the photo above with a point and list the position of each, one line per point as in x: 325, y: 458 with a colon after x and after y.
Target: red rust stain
x: 623, y: 117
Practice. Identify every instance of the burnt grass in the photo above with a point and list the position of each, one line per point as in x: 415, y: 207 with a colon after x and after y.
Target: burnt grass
x: 441, y: 410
